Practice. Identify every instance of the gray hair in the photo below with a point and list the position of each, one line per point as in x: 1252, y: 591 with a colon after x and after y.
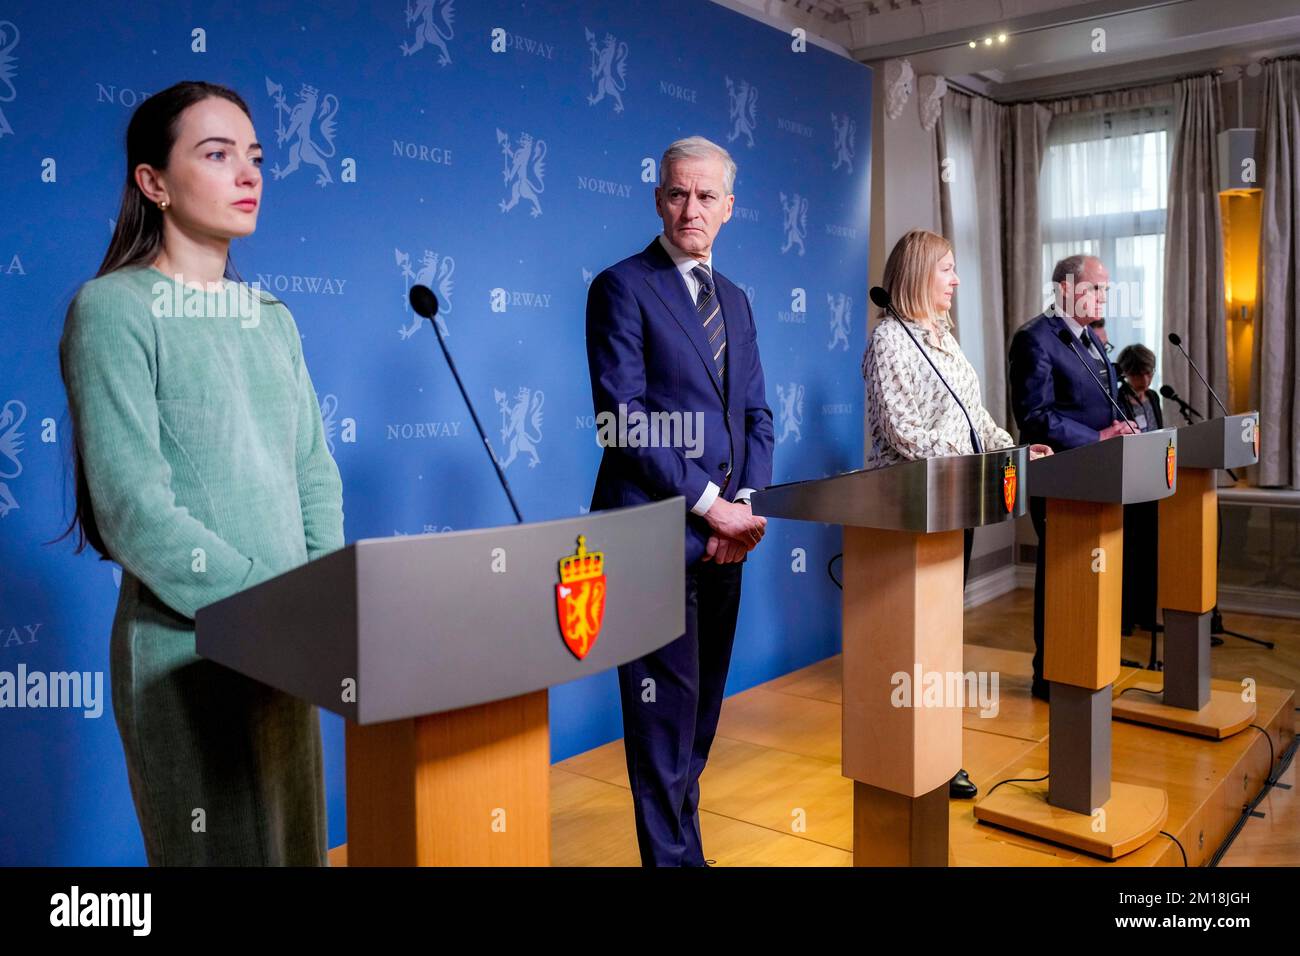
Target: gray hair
x: 1070, y: 266
x: 697, y: 147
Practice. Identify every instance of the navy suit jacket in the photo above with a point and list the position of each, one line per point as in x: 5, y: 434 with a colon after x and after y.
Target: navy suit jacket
x: 1055, y: 401
x: 647, y: 350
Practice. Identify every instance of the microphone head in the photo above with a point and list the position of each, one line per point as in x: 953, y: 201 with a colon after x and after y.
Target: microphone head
x: 1174, y: 338
x: 1065, y: 336
x: 423, y: 301
x: 880, y: 297
x: 1168, y: 391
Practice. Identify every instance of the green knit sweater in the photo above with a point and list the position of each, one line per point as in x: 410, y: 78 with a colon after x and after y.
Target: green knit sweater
x: 208, y: 470
x: 201, y: 436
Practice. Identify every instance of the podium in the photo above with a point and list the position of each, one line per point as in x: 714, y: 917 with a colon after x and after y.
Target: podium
x: 902, y: 633
x: 1189, y: 584
x: 438, y: 649
x: 1079, y: 806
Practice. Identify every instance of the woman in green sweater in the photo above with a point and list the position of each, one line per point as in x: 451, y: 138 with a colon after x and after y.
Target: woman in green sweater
x: 202, y: 469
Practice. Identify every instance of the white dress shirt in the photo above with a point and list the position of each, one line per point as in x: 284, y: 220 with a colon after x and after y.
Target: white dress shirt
x: 686, y: 263
x: 1077, y: 331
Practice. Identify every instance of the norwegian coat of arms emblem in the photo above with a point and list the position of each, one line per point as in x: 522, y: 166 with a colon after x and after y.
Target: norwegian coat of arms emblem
x: 1009, y: 486
x: 580, y: 598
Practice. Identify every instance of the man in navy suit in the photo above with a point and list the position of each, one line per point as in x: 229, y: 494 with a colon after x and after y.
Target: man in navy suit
x: 1054, y: 399
x: 667, y: 334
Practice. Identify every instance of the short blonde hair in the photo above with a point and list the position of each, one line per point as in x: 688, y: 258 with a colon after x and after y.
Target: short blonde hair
x: 909, y: 270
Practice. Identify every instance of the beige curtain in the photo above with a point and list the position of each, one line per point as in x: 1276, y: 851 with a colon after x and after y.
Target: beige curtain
x: 988, y: 129
x: 1024, y: 141
x: 1005, y: 156
x: 1276, y: 387
x: 970, y: 191
x: 1131, y: 98
x: 1193, y: 281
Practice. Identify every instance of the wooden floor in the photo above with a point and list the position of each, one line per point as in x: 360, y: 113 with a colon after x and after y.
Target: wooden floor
x: 772, y: 794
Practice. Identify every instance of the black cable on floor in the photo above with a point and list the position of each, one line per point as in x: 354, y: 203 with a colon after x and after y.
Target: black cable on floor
x: 1017, y: 780
x: 1180, y: 846
x: 1246, y: 812
x: 1271, y: 753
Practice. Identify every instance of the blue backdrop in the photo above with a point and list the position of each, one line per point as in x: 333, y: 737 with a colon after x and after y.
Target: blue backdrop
x: 417, y: 117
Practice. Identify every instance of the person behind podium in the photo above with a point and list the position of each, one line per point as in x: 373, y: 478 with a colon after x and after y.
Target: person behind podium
x: 1137, y: 365
x: 1056, y: 400
x: 666, y: 332
x: 910, y: 412
x: 201, y: 468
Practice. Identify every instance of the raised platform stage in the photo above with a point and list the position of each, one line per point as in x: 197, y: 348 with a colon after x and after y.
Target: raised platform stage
x: 773, y: 795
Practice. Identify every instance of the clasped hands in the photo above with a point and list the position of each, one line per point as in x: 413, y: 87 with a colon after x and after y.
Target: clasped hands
x: 736, y: 531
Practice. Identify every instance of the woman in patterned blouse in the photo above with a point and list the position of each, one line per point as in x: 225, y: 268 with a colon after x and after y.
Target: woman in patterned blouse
x: 910, y: 413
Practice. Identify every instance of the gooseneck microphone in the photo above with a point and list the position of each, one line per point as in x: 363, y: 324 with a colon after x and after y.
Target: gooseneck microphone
x: 425, y: 304
x: 1168, y: 392
x: 1176, y: 340
x: 1072, y: 344
x: 881, y: 298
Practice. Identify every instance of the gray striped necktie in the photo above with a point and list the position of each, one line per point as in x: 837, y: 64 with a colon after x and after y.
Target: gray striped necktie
x: 706, y: 303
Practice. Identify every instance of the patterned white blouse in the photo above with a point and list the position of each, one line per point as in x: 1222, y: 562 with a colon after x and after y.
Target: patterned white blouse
x: 910, y: 413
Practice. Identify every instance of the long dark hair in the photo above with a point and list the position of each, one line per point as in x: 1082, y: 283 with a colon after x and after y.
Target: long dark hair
x: 138, y: 238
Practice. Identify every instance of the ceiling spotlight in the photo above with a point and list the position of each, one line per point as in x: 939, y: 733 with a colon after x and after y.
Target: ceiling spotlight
x: 972, y: 44
x: 988, y: 41
x: 1002, y: 38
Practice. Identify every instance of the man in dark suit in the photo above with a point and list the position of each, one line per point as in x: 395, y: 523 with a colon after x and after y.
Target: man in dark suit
x: 668, y: 334
x: 1054, y: 399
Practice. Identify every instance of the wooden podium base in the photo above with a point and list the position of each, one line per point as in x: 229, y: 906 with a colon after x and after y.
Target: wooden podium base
x: 1226, y: 713
x: 891, y: 829
x: 1132, y: 816
x: 470, y: 787
x: 902, y: 626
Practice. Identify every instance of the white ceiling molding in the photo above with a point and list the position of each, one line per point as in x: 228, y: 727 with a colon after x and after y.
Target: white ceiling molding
x: 1050, y: 47
x: 865, y: 26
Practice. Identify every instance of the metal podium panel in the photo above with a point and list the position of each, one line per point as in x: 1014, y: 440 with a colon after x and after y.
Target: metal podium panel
x: 1122, y: 470
x: 927, y: 495
x: 430, y: 623
x: 1220, y: 442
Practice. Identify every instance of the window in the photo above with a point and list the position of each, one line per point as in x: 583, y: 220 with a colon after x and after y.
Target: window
x: 1102, y: 192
